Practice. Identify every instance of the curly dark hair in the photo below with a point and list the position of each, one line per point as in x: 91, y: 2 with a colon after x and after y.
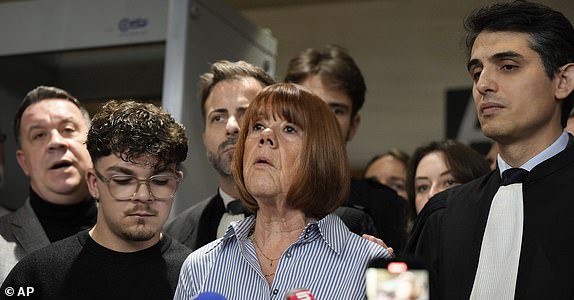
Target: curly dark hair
x: 132, y: 130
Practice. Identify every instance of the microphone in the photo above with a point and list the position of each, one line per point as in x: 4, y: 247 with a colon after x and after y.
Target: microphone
x: 209, y: 296
x: 299, y: 294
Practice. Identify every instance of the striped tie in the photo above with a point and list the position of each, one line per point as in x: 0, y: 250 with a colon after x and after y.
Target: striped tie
x: 500, y: 251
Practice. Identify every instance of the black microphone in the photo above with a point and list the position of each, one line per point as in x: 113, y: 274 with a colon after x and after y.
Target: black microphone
x: 299, y: 294
x: 209, y: 296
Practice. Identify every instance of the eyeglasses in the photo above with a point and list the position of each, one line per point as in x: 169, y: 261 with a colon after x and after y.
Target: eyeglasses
x: 125, y: 187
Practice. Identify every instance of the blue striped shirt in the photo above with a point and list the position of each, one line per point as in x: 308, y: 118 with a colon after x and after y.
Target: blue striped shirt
x: 327, y: 259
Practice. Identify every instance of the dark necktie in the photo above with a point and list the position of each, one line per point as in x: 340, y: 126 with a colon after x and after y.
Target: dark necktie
x: 502, y: 240
x: 514, y: 175
x: 234, y: 207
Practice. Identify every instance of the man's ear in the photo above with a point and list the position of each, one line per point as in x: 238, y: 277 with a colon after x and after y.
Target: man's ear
x: 23, y: 162
x: 92, y: 181
x: 565, y: 84
x: 355, y: 122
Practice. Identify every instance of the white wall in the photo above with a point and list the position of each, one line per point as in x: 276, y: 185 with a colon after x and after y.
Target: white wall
x: 410, y: 52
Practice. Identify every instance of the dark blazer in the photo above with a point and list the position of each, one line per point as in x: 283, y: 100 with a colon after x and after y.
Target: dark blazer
x: 448, y: 233
x: 197, y: 225
x: 4, y: 211
x: 358, y: 221
x: 21, y: 233
x: 387, y: 209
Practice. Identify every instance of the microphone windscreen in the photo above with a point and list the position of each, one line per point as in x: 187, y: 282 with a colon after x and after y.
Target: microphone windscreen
x: 299, y: 294
x: 209, y: 296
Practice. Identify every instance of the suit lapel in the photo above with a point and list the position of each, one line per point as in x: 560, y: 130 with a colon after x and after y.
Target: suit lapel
x: 27, y: 230
x: 209, y: 221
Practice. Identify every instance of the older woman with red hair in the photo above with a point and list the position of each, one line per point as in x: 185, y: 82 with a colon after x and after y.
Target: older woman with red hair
x: 292, y: 172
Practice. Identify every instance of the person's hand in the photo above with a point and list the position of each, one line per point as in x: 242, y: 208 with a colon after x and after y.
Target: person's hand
x: 380, y: 242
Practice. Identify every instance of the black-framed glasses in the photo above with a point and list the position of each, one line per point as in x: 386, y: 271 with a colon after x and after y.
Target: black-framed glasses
x: 125, y: 187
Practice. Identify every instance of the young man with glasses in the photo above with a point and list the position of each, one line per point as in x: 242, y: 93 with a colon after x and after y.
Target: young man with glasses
x: 135, y: 149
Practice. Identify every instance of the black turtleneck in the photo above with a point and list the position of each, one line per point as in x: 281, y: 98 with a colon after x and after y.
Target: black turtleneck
x: 62, y: 221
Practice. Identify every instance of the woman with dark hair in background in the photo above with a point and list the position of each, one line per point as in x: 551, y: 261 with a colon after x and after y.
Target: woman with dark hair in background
x: 438, y: 166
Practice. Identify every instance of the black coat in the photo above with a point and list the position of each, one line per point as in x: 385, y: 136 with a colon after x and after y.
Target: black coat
x: 448, y: 233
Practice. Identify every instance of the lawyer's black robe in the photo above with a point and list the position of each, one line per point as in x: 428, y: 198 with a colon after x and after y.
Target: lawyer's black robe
x: 447, y: 235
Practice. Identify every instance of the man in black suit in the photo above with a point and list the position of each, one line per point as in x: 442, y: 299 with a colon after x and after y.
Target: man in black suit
x: 493, y: 239
x: 225, y: 94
